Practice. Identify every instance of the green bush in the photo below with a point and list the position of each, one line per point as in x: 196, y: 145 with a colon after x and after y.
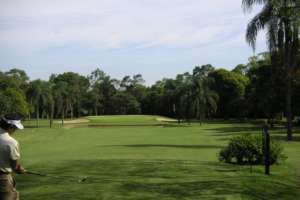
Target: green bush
x: 247, y: 149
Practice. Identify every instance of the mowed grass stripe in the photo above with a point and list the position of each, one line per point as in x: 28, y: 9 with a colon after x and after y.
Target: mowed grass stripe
x: 149, y: 163
x: 128, y: 120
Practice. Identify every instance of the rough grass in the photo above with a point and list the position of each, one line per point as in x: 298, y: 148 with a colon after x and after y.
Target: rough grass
x: 150, y: 162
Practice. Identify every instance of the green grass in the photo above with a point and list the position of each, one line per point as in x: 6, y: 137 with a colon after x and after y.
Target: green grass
x: 149, y: 162
x: 105, y: 120
x: 40, y: 123
x: 126, y: 120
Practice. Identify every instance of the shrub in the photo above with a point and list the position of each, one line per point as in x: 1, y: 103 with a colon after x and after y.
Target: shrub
x: 247, y: 149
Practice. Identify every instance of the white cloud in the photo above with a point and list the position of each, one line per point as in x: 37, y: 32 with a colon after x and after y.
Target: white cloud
x: 158, y: 38
x: 106, y: 24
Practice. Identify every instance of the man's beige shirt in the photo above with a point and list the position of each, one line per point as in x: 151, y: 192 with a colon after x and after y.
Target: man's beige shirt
x: 9, y: 150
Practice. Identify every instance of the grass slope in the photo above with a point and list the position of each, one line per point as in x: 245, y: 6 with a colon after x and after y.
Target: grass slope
x: 104, y: 120
x: 150, y: 162
x: 127, y: 120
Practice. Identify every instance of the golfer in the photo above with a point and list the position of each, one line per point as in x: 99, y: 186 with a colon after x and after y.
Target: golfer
x: 9, y: 156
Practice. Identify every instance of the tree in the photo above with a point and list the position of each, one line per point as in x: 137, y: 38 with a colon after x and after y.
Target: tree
x: 230, y: 87
x: 264, y: 92
x: 108, y: 90
x: 35, y: 90
x: 13, y: 86
x: 47, y: 99
x: 203, y: 71
x: 20, y: 78
x: 296, y: 94
x: 13, y: 100
x: 151, y: 104
x: 96, y: 78
x: 40, y: 96
x: 281, y: 19
x: 76, y: 88
x: 204, y: 99
x: 137, y: 89
x: 125, y: 104
x: 126, y: 83
x: 60, y: 97
x: 241, y: 69
x: 184, y: 93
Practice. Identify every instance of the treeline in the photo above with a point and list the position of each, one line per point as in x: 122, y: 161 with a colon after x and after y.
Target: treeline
x: 252, y: 90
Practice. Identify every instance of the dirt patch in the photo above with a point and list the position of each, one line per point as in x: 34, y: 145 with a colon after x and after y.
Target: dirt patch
x: 165, y: 119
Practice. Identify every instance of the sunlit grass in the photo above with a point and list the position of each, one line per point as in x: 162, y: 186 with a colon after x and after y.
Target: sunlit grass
x: 149, y: 162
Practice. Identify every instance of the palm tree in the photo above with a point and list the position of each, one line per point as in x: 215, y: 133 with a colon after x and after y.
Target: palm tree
x: 183, y: 92
x: 204, y: 99
x: 47, y: 100
x: 95, y: 79
x: 60, y: 96
x: 36, y: 91
x: 107, y: 91
x: 281, y: 20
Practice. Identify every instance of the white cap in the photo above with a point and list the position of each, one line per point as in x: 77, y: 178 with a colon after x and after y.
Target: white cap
x: 16, y: 123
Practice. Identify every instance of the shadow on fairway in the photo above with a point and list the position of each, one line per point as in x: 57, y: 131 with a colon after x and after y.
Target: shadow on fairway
x: 233, y: 130
x: 296, y: 138
x: 277, y: 133
x: 166, y: 146
x: 213, y: 189
x: 152, y: 179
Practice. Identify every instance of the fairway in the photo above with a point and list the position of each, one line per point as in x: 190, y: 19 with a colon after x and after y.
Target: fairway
x: 150, y: 100
x: 148, y: 162
x: 134, y: 120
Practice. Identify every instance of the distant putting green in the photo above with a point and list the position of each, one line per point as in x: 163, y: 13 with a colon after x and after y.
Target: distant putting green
x: 105, y: 120
x: 129, y: 120
x: 149, y: 162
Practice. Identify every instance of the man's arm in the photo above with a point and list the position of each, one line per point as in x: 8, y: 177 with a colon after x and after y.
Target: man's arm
x: 15, y: 158
x: 17, y: 167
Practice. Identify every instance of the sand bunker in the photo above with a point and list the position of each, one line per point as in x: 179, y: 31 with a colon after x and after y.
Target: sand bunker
x: 165, y: 119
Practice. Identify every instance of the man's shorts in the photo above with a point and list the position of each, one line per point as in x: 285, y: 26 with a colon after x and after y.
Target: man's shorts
x: 8, y: 188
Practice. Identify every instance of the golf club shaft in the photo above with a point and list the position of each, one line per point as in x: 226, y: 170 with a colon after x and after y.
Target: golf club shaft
x: 55, y: 176
x: 41, y: 174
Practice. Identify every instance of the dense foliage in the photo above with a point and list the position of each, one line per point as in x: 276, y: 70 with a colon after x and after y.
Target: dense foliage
x: 248, y: 91
x: 281, y: 21
x: 247, y: 149
x: 266, y: 87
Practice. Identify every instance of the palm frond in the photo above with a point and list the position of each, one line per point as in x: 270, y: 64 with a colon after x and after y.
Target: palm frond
x: 249, y: 4
x: 272, y: 34
x: 258, y: 23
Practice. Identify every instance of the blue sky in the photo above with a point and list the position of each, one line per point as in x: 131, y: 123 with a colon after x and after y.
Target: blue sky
x: 157, y: 38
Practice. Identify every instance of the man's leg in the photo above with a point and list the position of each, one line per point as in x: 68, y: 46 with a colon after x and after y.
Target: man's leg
x: 7, y: 188
x: 9, y: 196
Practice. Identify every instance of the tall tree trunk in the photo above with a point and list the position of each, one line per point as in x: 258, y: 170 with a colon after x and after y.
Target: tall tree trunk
x: 62, y: 115
x: 96, y: 109
x: 288, y: 70
x: 31, y: 102
x: 289, y: 107
x: 200, y: 120
x: 37, y: 115
x: 51, y: 114
x: 78, y: 109
x: 71, y: 109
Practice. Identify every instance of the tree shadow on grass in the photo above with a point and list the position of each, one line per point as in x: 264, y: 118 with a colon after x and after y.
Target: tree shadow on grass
x: 152, y: 179
x: 284, y: 138
x: 213, y: 189
x: 277, y: 133
x: 236, y: 129
x: 166, y: 146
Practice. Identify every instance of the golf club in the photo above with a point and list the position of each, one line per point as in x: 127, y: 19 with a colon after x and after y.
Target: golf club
x: 79, y: 179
